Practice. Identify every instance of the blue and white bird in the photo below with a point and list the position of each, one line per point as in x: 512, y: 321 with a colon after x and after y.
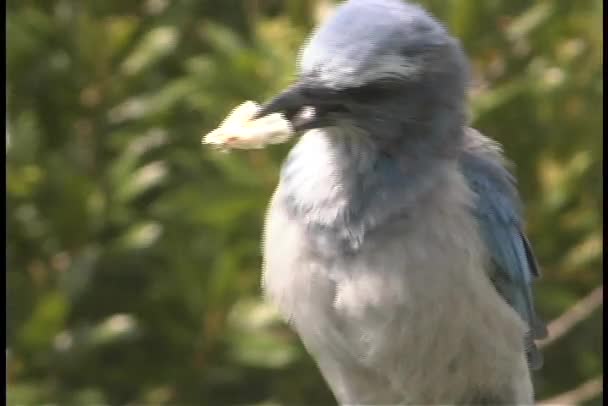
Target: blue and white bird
x: 394, y: 242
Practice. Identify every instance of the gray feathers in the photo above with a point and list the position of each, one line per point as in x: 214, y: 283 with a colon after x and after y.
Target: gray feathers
x: 394, y: 242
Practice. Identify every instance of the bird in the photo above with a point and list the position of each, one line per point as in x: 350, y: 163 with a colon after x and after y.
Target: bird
x: 394, y: 242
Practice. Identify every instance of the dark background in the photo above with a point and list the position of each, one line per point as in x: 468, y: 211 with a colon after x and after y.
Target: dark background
x: 133, y: 251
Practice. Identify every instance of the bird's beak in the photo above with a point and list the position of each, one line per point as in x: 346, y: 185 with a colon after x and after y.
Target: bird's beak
x: 303, y: 106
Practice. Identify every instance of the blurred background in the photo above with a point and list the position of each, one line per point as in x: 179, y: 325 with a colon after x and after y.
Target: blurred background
x: 133, y: 258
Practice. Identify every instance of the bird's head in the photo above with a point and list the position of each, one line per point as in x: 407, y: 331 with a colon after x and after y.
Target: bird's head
x: 384, y: 66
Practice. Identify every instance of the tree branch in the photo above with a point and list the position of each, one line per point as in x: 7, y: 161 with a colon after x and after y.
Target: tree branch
x: 581, y: 394
x: 574, y: 315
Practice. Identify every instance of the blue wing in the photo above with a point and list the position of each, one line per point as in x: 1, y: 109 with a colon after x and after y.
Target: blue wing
x: 498, y: 211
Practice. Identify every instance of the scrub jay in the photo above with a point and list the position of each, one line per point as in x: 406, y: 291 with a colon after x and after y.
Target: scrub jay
x: 394, y: 242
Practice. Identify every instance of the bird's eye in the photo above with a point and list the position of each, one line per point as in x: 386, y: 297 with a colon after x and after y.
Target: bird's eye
x: 370, y: 92
x: 333, y: 108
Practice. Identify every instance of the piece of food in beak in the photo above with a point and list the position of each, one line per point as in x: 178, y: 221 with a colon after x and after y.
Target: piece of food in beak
x: 239, y: 131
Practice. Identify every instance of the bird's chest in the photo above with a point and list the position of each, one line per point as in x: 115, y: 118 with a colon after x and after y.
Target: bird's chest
x: 415, y: 288
x: 405, y: 284
x: 358, y: 233
x: 399, y: 268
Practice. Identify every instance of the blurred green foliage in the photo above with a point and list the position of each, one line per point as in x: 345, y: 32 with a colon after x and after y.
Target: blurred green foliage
x: 133, y: 252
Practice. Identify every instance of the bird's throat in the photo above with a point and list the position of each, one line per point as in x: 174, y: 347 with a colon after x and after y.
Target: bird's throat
x: 338, y: 180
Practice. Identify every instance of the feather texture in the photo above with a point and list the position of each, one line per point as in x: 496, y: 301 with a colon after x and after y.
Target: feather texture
x: 498, y: 211
x: 393, y: 244
x: 408, y: 315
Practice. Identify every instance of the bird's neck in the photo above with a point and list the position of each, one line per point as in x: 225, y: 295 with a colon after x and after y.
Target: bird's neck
x: 342, y: 181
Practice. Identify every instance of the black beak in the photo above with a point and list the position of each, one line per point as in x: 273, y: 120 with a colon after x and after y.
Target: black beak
x: 305, y: 107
